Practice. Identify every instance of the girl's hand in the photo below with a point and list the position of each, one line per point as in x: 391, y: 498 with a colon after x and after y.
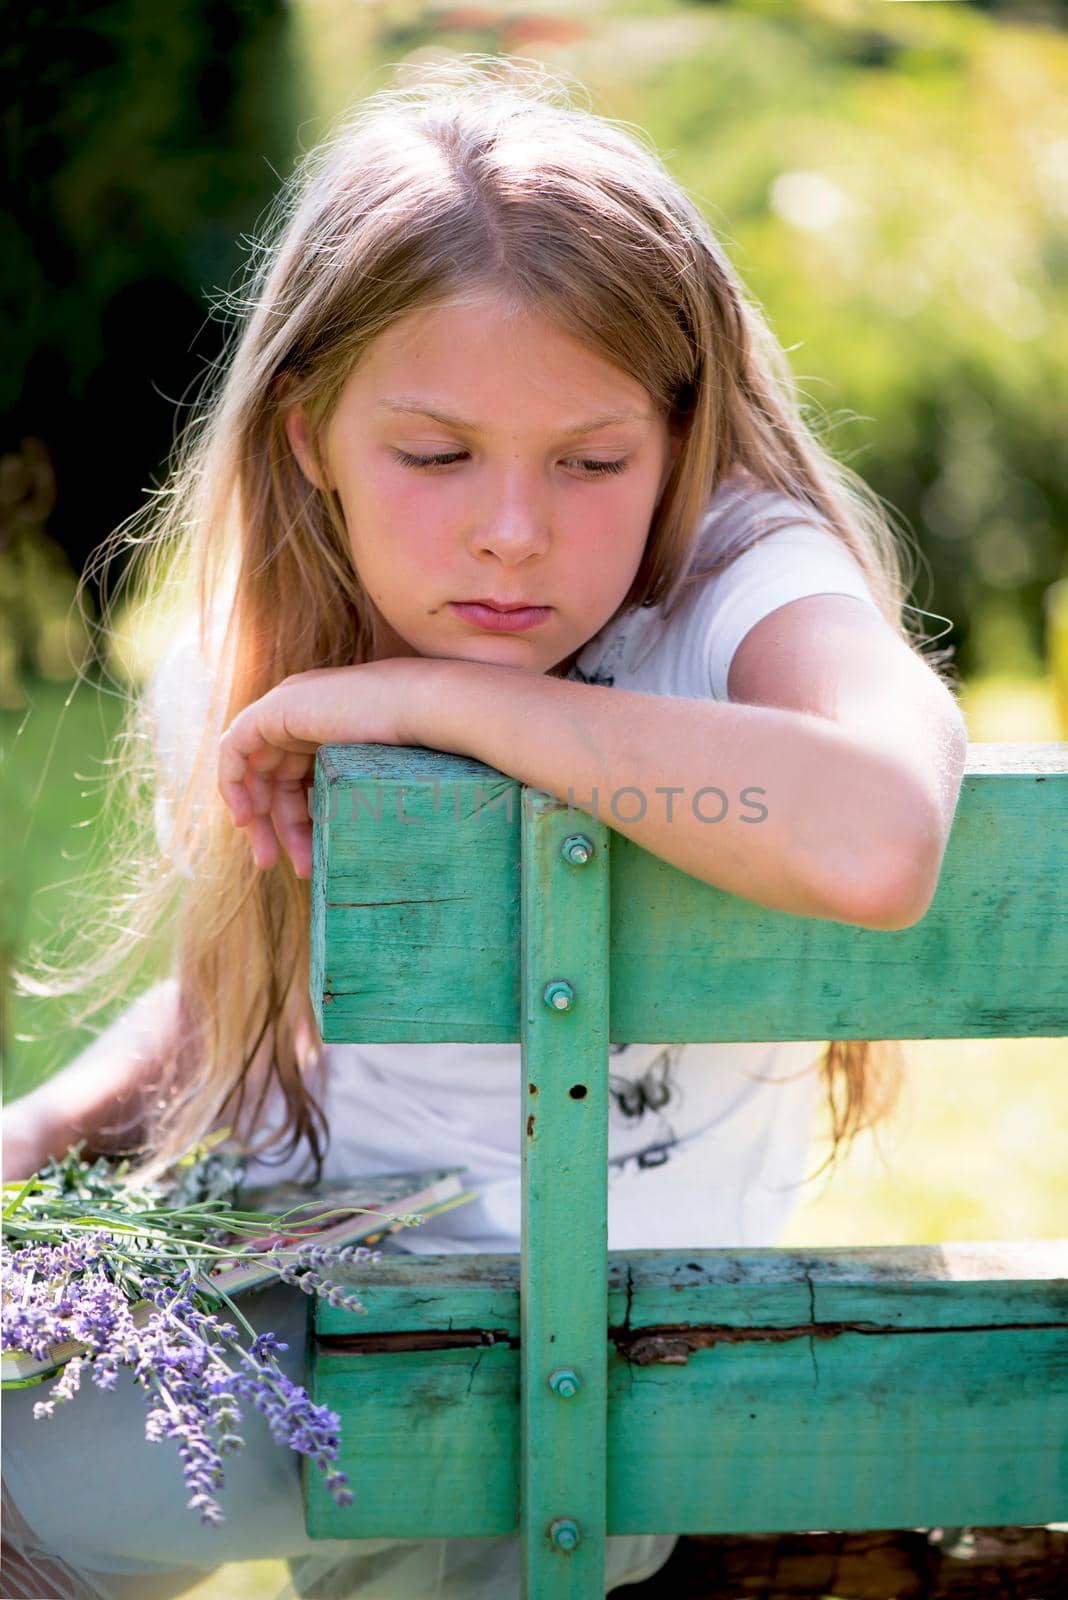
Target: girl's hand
x: 30, y: 1137
x: 267, y: 754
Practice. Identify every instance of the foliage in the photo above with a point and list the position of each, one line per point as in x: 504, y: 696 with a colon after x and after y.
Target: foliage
x: 888, y: 179
x: 890, y: 182
x: 142, y: 143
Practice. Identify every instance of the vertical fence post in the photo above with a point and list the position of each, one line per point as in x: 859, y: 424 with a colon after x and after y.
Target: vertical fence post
x: 564, y: 1140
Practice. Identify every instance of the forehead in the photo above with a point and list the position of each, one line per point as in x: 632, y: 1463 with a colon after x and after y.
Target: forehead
x: 482, y: 357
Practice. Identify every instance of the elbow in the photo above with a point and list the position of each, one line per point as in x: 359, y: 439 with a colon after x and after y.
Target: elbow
x: 900, y: 894
x: 908, y: 852
x: 892, y: 913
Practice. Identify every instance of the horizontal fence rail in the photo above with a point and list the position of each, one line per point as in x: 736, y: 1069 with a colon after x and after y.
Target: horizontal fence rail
x: 748, y: 1391
x: 416, y: 919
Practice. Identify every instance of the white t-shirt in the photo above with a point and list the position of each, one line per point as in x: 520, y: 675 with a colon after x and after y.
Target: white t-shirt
x: 707, y: 1142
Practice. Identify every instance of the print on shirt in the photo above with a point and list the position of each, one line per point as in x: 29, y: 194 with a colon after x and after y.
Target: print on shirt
x: 632, y: 1098
x: 610, y: 660
x: 594, y: 677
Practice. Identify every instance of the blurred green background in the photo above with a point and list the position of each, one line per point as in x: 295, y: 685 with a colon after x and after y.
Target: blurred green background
x: 890, y: 180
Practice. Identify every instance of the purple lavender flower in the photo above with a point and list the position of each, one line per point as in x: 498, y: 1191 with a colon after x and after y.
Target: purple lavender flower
x: 300, y: 1272
x: 83, y: 1289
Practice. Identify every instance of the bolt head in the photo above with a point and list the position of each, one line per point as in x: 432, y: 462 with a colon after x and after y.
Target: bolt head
x: 565, y: 1382
x: 559, y: 995
x: 564, y: 1533
x: 577, y: 849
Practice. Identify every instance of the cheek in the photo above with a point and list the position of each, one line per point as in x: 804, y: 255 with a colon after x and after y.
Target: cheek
x: 393, y: 519
x: 417, y: 506
x: 610, y: 538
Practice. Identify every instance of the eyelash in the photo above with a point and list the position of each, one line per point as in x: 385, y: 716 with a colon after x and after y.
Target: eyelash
x: 597, y: 469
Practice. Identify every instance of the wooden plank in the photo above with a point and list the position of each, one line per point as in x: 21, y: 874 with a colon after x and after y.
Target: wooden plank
x: 1036, y: 758
x: 1000, y: 1281
x: 918, y: 1287
x: 415, y: 896
x: 858, y: 1430
x: 863, y: 1388
x: 564, y: 1142
x: 888, y: 1429
x: 424, y: 1293
x: 988, y: 960
x: 429, y: 1441
x: 423, y: 944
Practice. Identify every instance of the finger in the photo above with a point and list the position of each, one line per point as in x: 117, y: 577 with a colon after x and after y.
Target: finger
x: 230, y: 778
x: 262, y: 778
x: 256, y: 746
x: 263, y: 842
x: 294, y: 765
x: 251, y: 794
x: 293, y: 825
x: 245, y: 755
x: 260, y: 790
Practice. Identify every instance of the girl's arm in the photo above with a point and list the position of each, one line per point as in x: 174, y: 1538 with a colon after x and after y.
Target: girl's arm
x: 855, y: 747
x: 101, y: 1096
x: 812, y: 819
x: 104, y: 1094
x: 829, y: 791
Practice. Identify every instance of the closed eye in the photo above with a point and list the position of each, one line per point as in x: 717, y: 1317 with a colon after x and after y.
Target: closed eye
x: 595, y: 469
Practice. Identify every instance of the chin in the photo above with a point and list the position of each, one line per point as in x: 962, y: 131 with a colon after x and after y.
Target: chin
x: 498, y: 653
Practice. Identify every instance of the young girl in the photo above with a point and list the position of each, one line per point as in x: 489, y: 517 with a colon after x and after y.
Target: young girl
x: 504, y: 462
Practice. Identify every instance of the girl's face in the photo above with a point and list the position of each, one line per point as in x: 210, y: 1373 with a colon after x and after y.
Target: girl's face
x: 550, y: 465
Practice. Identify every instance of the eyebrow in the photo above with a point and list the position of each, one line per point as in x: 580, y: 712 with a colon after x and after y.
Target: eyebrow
x: 414, y: 407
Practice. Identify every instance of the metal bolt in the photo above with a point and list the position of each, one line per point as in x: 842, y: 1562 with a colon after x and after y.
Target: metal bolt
x: 577, y: 849
x: 564, y: 1533
x: 559, y: 995
x: 565, y: 1382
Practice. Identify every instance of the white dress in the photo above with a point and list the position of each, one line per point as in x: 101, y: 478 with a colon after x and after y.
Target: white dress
x: 707, y: 1146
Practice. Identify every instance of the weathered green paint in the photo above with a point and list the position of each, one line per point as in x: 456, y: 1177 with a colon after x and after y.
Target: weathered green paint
x: 719, y: 1391
x: 754, y: 1390
x: 415, y: 896
x: 429, y: 1441
x: 421, y: 919
x: 564, y: 1142
x: 855, y: 1430
x: 925, y: 1286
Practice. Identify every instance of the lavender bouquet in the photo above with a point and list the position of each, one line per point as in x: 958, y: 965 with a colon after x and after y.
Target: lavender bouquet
x: 122, y: 1271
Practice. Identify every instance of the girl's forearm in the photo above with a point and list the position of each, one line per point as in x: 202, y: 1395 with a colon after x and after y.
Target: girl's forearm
x: 781, y: 807
x: 102, y: 1096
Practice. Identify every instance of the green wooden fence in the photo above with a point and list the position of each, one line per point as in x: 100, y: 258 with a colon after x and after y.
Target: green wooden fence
x: 570, y: 1392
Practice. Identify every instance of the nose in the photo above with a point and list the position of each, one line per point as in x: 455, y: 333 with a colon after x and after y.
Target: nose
x: 513, y: 525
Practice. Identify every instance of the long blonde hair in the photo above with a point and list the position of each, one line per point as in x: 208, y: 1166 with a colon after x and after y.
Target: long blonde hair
x: 477, y: 172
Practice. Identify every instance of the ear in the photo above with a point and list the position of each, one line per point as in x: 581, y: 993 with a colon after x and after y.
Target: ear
x: 299, y: 436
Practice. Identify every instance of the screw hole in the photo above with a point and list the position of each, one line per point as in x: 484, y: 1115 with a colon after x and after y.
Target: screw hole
x: 578, y: 1091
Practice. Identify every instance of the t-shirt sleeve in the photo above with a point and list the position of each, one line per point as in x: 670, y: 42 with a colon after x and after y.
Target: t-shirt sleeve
x: 786, y: 565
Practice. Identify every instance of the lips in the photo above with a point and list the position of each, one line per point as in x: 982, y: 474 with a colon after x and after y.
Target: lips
x: 503, y: 605
x: 491, y: 616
